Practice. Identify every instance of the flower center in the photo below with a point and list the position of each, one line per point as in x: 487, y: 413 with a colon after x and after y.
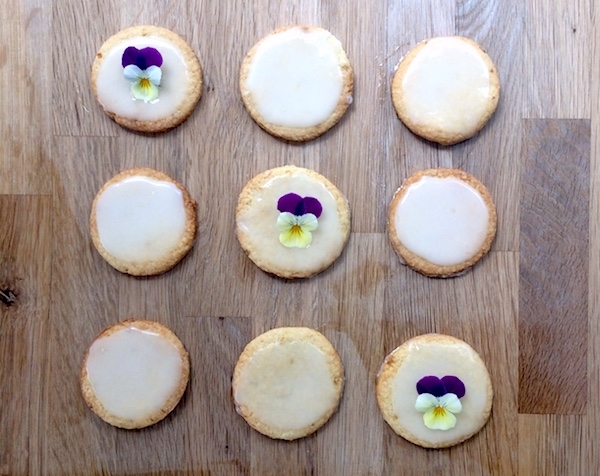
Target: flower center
x: 145, y: 83
x: 439, y: 412
x: 296, y: 230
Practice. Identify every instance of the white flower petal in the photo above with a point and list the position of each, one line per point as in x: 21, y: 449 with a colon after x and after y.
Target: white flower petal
x: 132, y: 73
x: 154, y: 74
x: 451, y: 403
x: 426, y: 402
x: 285, y: 221
x: 308, y: 222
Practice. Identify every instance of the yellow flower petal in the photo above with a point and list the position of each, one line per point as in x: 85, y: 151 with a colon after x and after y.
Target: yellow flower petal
x: 144, y: 89
x: 439, y: 418
x: 295, y: 231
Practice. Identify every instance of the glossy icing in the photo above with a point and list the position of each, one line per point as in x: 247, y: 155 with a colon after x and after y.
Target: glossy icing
x: 443, y: 220
x: 447, y: 86
x: 287, y: 386
x: 295, y: 79
x: 133, y: 372
x: 457, y: 359
x: 140, y: 219
x: 114, y: 91
x: 258, y: 222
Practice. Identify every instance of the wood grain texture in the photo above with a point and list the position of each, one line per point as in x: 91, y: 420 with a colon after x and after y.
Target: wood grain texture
x: 552, y: 445
x: 25, y: 254
x: 553, y: 271
x: 26, y: 76
x: 57, y: 148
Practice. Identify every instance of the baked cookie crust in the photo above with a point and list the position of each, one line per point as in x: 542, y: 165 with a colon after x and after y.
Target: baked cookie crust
x: 92, y: 400
x: 422, y: 265
x: 272, y: 396
x: 425, y: 355
x: 293, y: 133
x: 193, y: 90
x: 461, y: 111
x: 169, y: 260
x: 256, y: 218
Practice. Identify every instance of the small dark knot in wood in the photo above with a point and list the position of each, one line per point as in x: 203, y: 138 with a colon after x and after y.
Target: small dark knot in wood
x: 8, y: 297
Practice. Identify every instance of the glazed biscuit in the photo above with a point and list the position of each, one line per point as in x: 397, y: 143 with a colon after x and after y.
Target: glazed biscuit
x: 134, y: 373
x: 143, y: 222
x: 441, y: 222
x: 434, y: 391
x: 288, y: 382
x: 297, y: 82
x: 180, y: 82
x: 446, y: 89
x: 292, y: 221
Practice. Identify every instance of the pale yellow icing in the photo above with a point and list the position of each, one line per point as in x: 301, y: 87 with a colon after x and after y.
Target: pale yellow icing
x: 287, y: 386
x: 295, y: 79
x: 258, y: 223
x: 133, y: 372
x: 442, y: 220
x: 447, y: 86
x: 438, y: 359
x: 140, y: 219
x: 114, y: 91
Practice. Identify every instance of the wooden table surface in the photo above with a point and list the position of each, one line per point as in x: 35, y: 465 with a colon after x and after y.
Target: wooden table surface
x: 531, y: 307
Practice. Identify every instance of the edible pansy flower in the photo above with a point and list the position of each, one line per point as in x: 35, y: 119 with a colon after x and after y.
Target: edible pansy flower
x: 438, y: 400
x: 297, y: 220
x: 142, y: 69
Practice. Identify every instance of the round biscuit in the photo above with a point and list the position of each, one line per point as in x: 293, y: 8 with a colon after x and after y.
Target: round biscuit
x: 419, y: 263
x: 256, y: 218
x: 164, y: 263
x: 193, y: 91
x: 438, y: 355
x: 288, y: 382
x: 444, y: 104
x: 168, y: 404
x: 287, y: 132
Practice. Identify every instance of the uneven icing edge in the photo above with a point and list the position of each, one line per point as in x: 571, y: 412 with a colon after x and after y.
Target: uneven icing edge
x: 431, y: 358
x: 439, y: 228
x: 447, y: 86
x: 135, y: 374
x: 257, y: 232
x: 322, y: 79
x: 114, y: 91
x: 287, y: 386
x: 148, y: 228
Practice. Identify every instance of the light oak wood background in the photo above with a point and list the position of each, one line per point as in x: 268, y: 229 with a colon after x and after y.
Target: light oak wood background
x: 531, y: 307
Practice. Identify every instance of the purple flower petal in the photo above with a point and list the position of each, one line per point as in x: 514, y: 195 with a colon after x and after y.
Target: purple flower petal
x: 151, y: 57
x: 129, y: 56
x: 454, y: 385
x: 432, y: 385
x: 288, y: 203
x: 312, y: 205
x: 143, y: 58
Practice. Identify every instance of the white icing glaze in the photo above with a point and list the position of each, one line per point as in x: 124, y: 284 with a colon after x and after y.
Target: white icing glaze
x: 140, y: 219
x: 295, y: 79
x: 114, y: 91
x: 258, y: 223
x: 440, y: 360
x: 287, y: 386
x: 447, y: 86
x: 133, y: 372
x: 442, y: 220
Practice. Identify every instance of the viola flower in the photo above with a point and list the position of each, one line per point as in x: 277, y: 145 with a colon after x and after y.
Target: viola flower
x: 438, y: 400
x: 298, y: 218
x: 142, y: 69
